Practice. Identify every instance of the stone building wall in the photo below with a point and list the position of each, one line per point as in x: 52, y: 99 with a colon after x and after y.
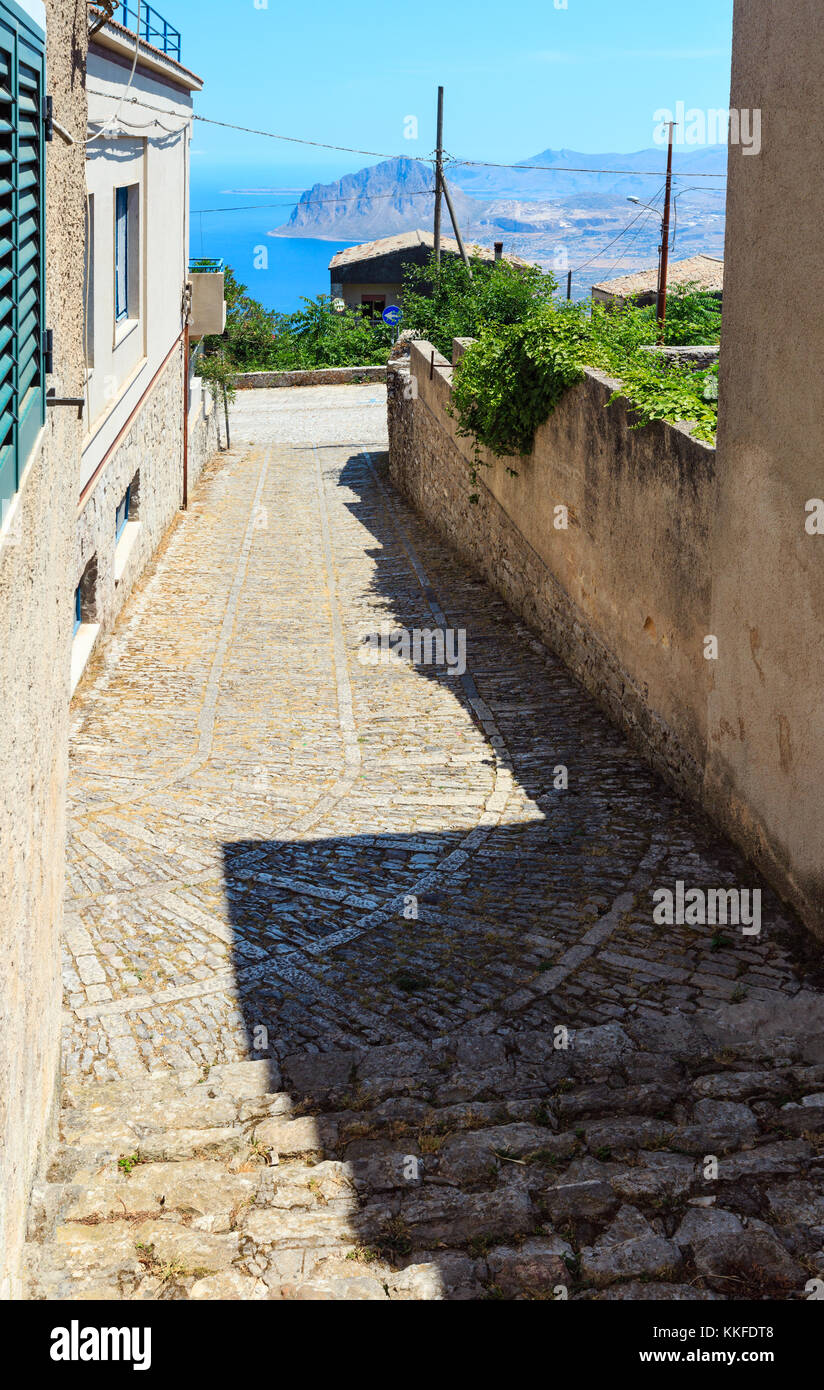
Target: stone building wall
x: 35, y: 639
x: 149, y: 457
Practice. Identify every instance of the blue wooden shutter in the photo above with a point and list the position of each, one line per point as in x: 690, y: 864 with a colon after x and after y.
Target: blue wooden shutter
x: 22, y: 241
x: 121, y: 254
x: 8, y: 460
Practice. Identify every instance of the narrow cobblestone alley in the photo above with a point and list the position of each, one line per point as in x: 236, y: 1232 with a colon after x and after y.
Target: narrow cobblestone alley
x: 326, y: 919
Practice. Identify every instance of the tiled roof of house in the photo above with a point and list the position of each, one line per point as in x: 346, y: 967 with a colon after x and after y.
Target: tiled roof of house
x: 705, y: 271
x: 402, y: 241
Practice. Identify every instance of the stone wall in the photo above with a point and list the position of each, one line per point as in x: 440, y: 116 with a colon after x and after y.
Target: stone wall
x: 623, y: 592
x: 324, y: 376
x: 669, y: 543
x: 35, y: 640
x: 149, y: 456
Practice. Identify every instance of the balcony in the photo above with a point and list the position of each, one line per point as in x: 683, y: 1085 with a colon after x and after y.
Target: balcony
x: 208, y: 315
x: 153, y: 27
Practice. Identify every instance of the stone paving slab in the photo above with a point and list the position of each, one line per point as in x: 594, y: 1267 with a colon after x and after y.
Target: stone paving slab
x: 278, y: 845
x: 362, y: 1000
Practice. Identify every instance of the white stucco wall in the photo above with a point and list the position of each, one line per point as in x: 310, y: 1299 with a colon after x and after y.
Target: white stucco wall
x: 149, y: 150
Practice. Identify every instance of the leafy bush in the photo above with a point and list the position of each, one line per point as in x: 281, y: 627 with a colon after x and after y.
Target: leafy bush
x: 512, y: 378
x: 693, y: 318
x: 247, y: 340
x: 262, y: 340
x: 442, y: 302
x: 317, y: 336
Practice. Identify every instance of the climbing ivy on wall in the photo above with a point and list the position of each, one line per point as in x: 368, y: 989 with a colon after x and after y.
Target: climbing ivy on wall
x: 510, y: 380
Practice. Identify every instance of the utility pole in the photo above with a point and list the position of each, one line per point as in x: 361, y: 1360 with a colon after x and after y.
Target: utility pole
x: 665, y: 236
x: 455, y: 226
x: 438, y: 178
x: 569, y: 285
x: 441, y: 187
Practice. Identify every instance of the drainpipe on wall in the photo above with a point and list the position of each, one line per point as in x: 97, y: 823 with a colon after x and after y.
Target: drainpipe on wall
x: 185, y: 501
x: 187, y: 311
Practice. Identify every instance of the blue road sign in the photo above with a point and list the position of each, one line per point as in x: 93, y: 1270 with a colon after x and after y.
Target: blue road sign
x: 392, y: 314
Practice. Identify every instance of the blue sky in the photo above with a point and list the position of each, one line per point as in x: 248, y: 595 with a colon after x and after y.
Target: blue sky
x: 519, y: 77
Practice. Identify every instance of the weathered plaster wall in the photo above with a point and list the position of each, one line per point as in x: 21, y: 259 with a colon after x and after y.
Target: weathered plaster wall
x: 669, y: 543
x: 623, y: 593
x: 765, y: 770
x: 203, y: 430
x: 35, y: 638
x: 126, y: 356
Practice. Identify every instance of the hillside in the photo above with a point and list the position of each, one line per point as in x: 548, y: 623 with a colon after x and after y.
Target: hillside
x: 565, y: 180
x: 394, y: 196
x: 560, y: 218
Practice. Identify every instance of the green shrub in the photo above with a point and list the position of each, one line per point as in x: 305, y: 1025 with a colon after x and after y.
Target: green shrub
x: 509, y: 381
x: 263, y: 340
x: 443, y: 302
x: 317, y: 336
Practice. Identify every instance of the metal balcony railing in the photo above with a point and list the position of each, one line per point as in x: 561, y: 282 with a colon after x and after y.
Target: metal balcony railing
x: 206, y: 265
x: 153, y: 27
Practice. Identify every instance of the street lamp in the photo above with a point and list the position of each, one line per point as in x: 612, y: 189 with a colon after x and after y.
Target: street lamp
x: 648, y: 206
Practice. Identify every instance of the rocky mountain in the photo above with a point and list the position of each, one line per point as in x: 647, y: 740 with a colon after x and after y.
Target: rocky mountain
x: 562, y: 218
x: 563, y: 173
x: 394, y: 196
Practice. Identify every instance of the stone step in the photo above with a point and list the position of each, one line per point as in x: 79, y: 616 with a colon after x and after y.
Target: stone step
x: 479, y: 1166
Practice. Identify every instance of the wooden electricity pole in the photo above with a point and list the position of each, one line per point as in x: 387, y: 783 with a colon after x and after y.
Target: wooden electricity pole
x: 455, y: 226
x: 442, y: 188
x: 438, y: 177
x: 665, y: 236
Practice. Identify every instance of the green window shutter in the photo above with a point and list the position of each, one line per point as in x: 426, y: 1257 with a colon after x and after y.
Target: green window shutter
x: 8, y: 451
x: 22, y: 241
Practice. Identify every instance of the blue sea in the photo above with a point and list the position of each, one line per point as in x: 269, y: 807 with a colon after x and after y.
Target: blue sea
x: 233, y: 209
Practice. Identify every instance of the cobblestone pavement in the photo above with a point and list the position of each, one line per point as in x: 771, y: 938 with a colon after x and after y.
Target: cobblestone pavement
x: 307, y: 890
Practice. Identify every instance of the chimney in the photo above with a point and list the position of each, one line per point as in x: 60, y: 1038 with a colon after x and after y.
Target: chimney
x: 499, y: 250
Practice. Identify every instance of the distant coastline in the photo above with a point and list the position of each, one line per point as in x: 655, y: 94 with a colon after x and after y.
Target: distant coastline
x: 561, y: 208
x: 306, y: 234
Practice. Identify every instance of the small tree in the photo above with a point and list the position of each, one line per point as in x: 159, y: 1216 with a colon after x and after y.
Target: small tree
x: 442, y: 302
x: 219, y: 374
x: 249, y: 329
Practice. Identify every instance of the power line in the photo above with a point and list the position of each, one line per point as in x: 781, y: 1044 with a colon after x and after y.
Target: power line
x: 311, y: 202
x: 604, y: 274
x: 626, y: 229
x: 567, y: 169
x: 379, y: 154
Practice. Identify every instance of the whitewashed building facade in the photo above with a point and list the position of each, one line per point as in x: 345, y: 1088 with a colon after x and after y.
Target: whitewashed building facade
x: 148, y: 428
